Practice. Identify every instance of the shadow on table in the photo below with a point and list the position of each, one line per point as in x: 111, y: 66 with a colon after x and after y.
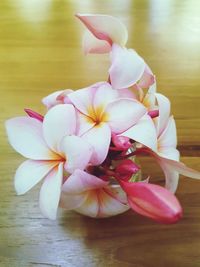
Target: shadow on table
x: 127, y: 239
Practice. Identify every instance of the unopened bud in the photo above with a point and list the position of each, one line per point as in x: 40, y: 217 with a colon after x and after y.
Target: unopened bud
x: 121, y: 142
x: 34, y: 114
x: 153, y: 201
x: 126, y: 169
x: 153, y: 113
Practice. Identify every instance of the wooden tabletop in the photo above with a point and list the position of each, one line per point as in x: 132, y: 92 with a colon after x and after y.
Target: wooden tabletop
x: 40, y: 52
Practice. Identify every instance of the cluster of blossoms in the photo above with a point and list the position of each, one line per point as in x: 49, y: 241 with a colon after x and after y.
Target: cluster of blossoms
x: 87, y: 144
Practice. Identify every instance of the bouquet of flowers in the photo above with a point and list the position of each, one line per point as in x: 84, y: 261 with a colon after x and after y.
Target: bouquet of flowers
x: 86, y: 147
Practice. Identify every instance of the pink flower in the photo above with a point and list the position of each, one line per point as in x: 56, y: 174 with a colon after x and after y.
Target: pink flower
x: 126, y: 169
x: 51, y: 147
x: 159, y: 138
x: 167, y: 155
x: 153, y: 201
x: 91, y: 196
x: 108, y: 34
x: 102, y: 112
x: 77, y: 145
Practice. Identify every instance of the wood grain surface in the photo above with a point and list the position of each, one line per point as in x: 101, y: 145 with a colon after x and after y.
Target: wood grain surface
x: 40, y: 52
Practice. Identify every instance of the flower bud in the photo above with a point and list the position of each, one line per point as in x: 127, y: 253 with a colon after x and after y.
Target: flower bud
x: 34, y: 114
x: 121, y: 142
x: 153, y: 113
x: 153, y: 201
x: 126, y: 169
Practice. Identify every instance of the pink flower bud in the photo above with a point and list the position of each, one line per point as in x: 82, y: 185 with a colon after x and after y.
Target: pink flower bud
x: 126, y: 169
x: 153, y: 201
x: 121, y: 142
x: 34, y: 114
x: 153, y: 113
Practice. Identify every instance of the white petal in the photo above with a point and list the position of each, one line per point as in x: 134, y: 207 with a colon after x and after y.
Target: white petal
x: 169, y: 153
x: 59, y: 122
x: 26, y: 137
x: 83, y: 98
x: 105, y: 27
x: 90, y: 206
x: 181, y: 168
x: 126, y: 93
x: 100, y: 204
x: 127, y: 67
x: 171, y: 176
x: 164, y: 112
x: 109, y: 205
x: 50, y: 192
x: 69, y: 201
x: 147, y: 78
x: 81, y: 182
x: 99, y: 137
x: 124, y: 113
x: 116, y: 192
x: 84, y: 123
x: 51, y: 100
x: 168, y: 137
x: 143, y: 132
x: 77, y: 152
x: 150, y: 100
x: 30, y: 172
x: 93, y: 45
x: 104, y: 95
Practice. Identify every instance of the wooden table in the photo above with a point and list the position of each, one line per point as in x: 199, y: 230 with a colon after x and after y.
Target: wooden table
x: 40, y: 51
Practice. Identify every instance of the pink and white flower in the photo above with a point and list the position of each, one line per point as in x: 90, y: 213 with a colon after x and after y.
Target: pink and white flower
x: 101, y: 112
x: 51, y: 148
x: 108, y: 34
x: 162, y: 141
x: 91, y: 196
x: 83, y: 146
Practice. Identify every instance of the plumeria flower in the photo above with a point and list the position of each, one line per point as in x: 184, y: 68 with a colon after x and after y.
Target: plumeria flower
x: 108, y: 34
x: 84, y: 147
x: 91, y: 196
x: 51, y: 148
x: 167, y: 143
x: 162, y: 143
x: 167, y: 155
x: 102, y: 112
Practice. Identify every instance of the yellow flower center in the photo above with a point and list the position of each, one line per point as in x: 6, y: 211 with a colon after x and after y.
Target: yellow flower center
x: 97, y: 115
